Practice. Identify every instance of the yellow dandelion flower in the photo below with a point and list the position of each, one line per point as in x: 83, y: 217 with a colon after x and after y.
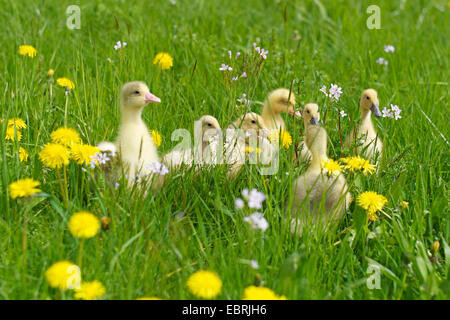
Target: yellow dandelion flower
x: 331, y: 167
x: 23, y: 188
x: 286, y: 138
x: 404, y: 204
x: 372, y: 202
x: 261, y: 293
x: 204, y: 284
x: 23, y: 154
x: 54, y: 155
x: 163, y: 60
x: 358, y: 164
x: 149, y: 298
x: 82, y: 153
x: 65, y: 136
x: 12, y: 133
x: 90, y: 290
x: 66, y: 83
x: 367, y: 167
x: 84, y: 225
x: 63, y: 275
x: 17, y: 122
x: 249, y: 149
x: 27, y: 50
x: 157, y: 139
x: 50, y: 72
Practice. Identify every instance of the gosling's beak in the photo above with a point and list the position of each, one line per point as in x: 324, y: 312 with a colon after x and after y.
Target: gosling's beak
x: 150, y: 97
x: 375, y: 110
x: 291, y: 110
x: 314, y: 120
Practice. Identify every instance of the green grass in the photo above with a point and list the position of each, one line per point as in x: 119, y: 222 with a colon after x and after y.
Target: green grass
x: 148, y: 251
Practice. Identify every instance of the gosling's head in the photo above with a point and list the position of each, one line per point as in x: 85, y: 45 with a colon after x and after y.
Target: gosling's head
x: 369, y: 101
x: 253, y: 122
x: 311, y: 114
x: 282, y: 100
x: 210, y: 126
x: 136, y: 95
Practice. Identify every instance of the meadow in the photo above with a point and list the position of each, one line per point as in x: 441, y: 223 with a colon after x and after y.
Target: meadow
x: 156, y: 241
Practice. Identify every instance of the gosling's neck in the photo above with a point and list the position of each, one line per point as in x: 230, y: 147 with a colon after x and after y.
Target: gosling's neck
x: 317, y: 158
x: 366, y: 123
x: 270, y: 116
x: 131, y: 115
x: 317, y: 144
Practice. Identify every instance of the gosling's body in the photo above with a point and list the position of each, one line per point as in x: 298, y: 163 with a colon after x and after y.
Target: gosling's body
x: 134, y: 143
x: 279, y: 101
x: 179, y: 156
x: 252, y: 127
x: 371, y: 146
x: 318, y: 196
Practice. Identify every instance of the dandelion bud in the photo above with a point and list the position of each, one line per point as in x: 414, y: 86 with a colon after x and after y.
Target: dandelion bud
x: 257, y: 280
x: 435, y: 247
x: 106, y: 222
x: 50, y: 72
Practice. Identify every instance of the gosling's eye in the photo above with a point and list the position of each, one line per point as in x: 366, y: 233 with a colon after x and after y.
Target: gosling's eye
x: 367, y: 98
x: 137, y: 92
x: 307, y: 111
x: 253, y: 121
x: 209, y: 124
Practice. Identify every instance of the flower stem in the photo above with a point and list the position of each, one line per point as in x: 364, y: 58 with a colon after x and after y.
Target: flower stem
x: 340, y: 133
x: 63, y: 194
x: 65, y: 111
x: 80, y: 253
x: 65, y: 186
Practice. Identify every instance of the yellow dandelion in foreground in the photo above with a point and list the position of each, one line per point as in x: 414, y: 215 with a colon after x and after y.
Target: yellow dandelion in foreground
x: 286, y: 138
x: 157, y: 139
x: 163, y: 60
x: 331, y: 167
x: 23, y: 154
x: 90, y: 290
x: 358, y: 163
x: 12, y: 133
x: 149, y: 298
x: 404, y: 204
x: 17, y: 122
x: 23, y: 188
x: 27, y: 50
x: 261, y: 293
x: 84, y: 225
x: 81, y: 153
x: 63, y: 275
x: 249, y: 149
x: 65, y: 136
x: 204, y: 284
x: 66, y: 83
x: 372, y: 202
x: 54, y: 155
x: 50, y: 72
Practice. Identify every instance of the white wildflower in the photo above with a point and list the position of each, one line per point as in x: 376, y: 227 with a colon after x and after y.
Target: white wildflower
x: 239, y: 203
x: 257, y: 221
x: 158, y: 168
x: 389, y: 48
